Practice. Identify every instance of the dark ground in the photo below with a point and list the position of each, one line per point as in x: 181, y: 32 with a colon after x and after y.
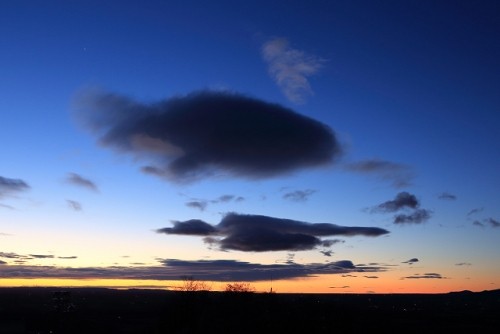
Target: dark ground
x: 48, y: 310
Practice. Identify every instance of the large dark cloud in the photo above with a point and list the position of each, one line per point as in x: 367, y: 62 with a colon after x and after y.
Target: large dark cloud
x: 209, y: 270
x: 9, y: 186
x: 256, y: 233
x: 399, y: 175
x: 209, y: 133
x: 403, y: 200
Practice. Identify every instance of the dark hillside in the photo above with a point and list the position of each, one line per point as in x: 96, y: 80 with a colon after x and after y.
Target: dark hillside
x: 47, y: 310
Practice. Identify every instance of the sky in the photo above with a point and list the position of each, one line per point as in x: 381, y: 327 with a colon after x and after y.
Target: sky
x: 308, y: 147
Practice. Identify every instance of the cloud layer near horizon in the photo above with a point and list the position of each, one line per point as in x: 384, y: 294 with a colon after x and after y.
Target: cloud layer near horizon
x: 209, y: 270
x: 256, y: 233
x: 209, y: 133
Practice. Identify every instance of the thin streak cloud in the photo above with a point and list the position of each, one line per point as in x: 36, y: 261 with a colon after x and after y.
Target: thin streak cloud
x: 80, y: 181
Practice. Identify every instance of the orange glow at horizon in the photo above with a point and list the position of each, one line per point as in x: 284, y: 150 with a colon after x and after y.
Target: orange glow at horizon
x: 319, y: 284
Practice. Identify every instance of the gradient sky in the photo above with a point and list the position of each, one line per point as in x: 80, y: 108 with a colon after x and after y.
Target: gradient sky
x: 308, y: 146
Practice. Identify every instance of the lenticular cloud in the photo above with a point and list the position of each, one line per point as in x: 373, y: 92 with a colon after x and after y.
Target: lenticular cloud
x: 209, y: 133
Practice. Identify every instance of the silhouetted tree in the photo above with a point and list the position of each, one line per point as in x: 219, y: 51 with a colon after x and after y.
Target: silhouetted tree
x: 189, y: 283
x: 239, y: 287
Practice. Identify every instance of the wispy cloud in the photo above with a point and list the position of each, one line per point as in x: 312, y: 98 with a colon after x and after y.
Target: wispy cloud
x: 463, y: 264
x: 200, y: 205
x: 80, y: 181
x: 417, y: 217
x: 398, y: 175
x: 255, y: 233
x: 488, y: 221
x: 209, y: 134
x: 299, y: 195
x: 290, y: 68
x: 474, y: 211
x: 447, y: 196
x: 74, y: 205
x: 493, y: 222
x: 11, y: 186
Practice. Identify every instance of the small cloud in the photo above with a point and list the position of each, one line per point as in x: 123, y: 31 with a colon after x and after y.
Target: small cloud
x: 74, y: 205
x: 493, y: 222
x: 370, y: 276
x: 67, y: 257
x: 40, y: 256
x: 12, y: 255
x: 403, y: 200
x: 224, y: 199
x: 425, y: 276
x: 255, y: 233
x: 290, y: 68
x: 5, y: 206
x: 200, y: 205
x: 299, y: 195
x: 488, y: 221
x: 399, y: 175
x: 417, y: 217
x: 327, y: 253
x: 339, y: 287
x: 474, y: 211
x: 348, y: 275
x: 411, y: 261
x: 447, y: 196
x: 478, y: 223
x: 11, y: 186
x: 78, y: 180
x: 463, y: 264
x: 3, y: 262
